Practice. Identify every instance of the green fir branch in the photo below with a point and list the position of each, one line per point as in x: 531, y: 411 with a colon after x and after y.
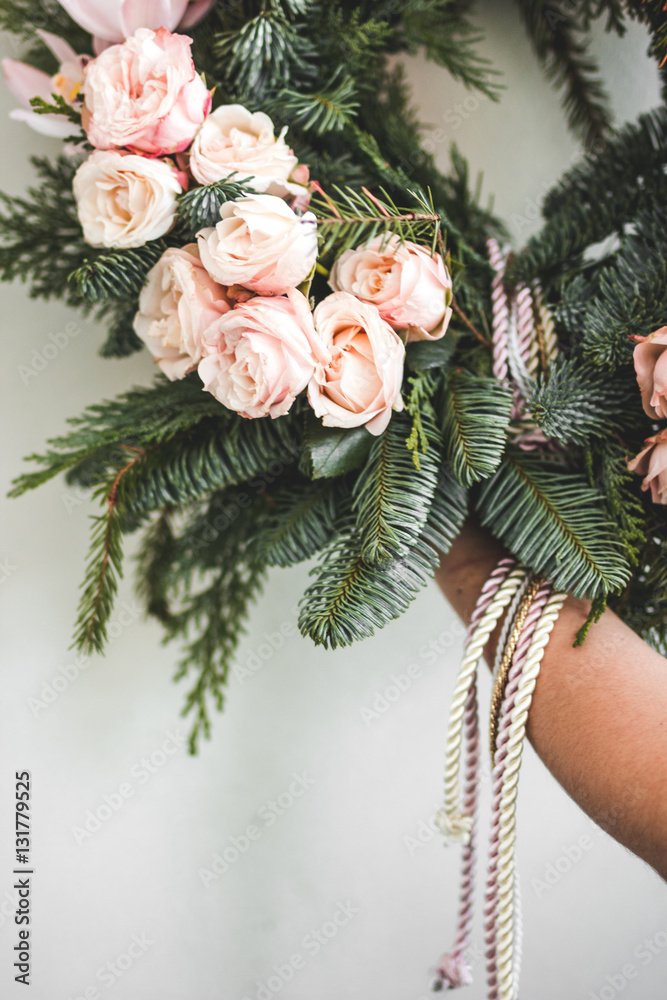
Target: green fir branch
x: 552, y: 521
x: 475, y: 421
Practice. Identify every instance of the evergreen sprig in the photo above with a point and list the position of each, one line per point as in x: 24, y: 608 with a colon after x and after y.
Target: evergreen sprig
x: 475, y: 421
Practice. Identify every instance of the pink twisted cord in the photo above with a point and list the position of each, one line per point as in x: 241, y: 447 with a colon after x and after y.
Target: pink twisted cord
x: 518, y: 663
x: 500, y: 310
x: 452, y: 970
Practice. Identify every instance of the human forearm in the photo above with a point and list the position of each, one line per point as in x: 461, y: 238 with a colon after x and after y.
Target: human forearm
x: 599, y: 714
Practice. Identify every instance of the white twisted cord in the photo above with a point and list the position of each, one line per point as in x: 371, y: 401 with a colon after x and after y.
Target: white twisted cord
x: 500, y: 309
x: 526, y: 329
x: 505, y: 937
x: 450, y: 819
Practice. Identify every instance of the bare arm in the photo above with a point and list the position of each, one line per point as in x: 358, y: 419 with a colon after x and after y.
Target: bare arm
x: 599, y: 714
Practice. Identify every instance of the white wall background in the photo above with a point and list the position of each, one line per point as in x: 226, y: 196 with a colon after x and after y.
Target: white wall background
x: 371, y: 783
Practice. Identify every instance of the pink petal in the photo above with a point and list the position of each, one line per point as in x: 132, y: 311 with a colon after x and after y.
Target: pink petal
x: 151, y: 14
x: 53, y: 125
x: 25, y: 82
x: 58, y: 46
x: 99, y: 17
x: 195, y: 12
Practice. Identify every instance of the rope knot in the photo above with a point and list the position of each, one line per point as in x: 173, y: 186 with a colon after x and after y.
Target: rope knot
x: 456, y: 828
x: 452, y: 971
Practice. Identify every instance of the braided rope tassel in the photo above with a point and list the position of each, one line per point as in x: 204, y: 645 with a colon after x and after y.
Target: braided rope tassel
x: 526, y: 330
x: 453, y: 970
x: 490, y: 906
x: 500, y: 310
x: 450, y: 819
x: 517, y: 732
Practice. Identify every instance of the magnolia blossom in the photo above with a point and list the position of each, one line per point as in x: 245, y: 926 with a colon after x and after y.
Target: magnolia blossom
x: 411, y: 288
x: 145, y: 95
x: 125, y: 200
x: 232, y: 140
x: 113, y: 20
x: 26, y: 82
x: 177, y: 303
x: 261, y: 355
x: 651, y: 463
x: 651, y: 367
x: 260, y: 243
x: 361, y: 384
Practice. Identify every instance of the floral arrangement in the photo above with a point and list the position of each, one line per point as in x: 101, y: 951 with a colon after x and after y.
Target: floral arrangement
x: 350, y: 358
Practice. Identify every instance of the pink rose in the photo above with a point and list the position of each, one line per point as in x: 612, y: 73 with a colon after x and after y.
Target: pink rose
x: 232, y: 140
x: 113, y: 20
x: 651, y: 367
x: 260, y: 243
x: 177, y: 303
x: 361, y: 384
x: 651, y: 463
x: 145, y: 95
x: 125, y: 200
x: 261, y: 355
x: 412, y: 289
x: 26, y: 82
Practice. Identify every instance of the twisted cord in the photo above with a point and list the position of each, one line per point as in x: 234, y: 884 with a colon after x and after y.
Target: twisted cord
x: 550, y: 340
x: 453, y: 970
x: 499, y: 309
x: 490, y: 907
x: 529, y: 346
x: 450, y: 819
x: 507, y: 830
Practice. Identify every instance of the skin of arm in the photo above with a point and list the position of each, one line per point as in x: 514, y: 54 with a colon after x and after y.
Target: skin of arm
x: 598, y: 719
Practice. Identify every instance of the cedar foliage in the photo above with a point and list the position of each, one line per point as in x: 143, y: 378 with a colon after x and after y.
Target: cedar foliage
x: 220, y: 500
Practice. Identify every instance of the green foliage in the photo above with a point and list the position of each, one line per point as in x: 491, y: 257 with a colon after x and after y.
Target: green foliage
x: 116, y: 274
x: 391, y: 499
x: 619, y: 181
x: 103, y: 569
x: 199, y: 582
x: 349, y: 599
x: 333, y: 451
x: 552, y: 521
x: 448, y: 38
x: 575, y: 402
x: 40, y: 236
x: 300, y: 522
x: 59, y: 106
x: 121, y: 338
x: 328, y: 109
x: 561, y: 47
x: 200, y: 207
x: 357, y: 216
x: 475, y: 421
x: 448, y: 511
x: 423, y: 355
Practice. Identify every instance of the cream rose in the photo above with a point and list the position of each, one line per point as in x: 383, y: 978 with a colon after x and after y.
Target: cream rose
x: 232, y: 140
x: 361, y: 384
x: 260, y: 243
x: 651, y: 463
x: 411, y: 288
x: 651, y: 367
x: 144, y: 95
x: 261, y: 355
x: 125, y: 200
x: 177, y: 303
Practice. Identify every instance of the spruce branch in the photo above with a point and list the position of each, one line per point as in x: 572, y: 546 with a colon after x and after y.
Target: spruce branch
x: 199, y: 208
x: 116, y: 274
x: 390, y: 497
x: 326, y: 110
x: 552, y: 521
x: 475, y: 421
